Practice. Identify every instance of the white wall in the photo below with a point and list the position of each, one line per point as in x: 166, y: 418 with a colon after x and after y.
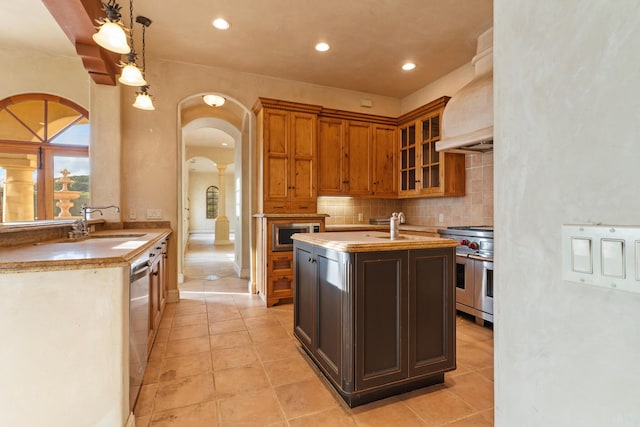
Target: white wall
x: 567, y: 108
x: 198, y: 184
x: 446, y: 85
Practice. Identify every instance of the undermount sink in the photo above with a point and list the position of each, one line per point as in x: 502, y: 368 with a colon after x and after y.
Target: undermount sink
x: 115, y: 236
x: 99, y: 236
x: 389, y: 237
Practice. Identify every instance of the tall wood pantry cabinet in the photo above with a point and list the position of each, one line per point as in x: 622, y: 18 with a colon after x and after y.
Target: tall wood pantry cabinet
x: 286, y: 134
x: 423, y: 171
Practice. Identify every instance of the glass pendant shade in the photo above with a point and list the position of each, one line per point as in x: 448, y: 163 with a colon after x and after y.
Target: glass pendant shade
x: 143, y: 101
x: 213, y: 100
x: 112, y: 37
x: 131, y: 76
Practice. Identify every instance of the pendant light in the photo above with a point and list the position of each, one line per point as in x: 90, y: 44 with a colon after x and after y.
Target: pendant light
x: 131, y: 74
x: 111, y: 33
x: 143, y: 99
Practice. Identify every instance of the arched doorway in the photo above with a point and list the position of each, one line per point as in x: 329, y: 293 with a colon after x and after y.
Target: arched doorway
x: 221, y: 135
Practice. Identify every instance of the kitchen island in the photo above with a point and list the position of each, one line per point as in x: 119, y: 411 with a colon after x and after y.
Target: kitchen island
x: 375, y: 314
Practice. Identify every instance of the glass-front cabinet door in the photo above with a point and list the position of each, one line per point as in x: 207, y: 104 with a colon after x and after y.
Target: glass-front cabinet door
x: 408, y: 152
x: 430, y: 158
x: 425, y: 172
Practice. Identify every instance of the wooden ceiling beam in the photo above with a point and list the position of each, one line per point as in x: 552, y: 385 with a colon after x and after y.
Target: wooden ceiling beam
x: 77, y: 18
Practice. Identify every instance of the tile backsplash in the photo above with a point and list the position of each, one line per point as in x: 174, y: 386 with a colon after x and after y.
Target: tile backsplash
x: 475, y: 208
x: 346, y: 210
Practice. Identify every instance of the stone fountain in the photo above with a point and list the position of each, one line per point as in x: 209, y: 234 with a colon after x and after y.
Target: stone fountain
x: 65, y: 196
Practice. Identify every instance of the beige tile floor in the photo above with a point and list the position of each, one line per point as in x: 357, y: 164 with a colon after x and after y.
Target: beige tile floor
x: 222, y: 359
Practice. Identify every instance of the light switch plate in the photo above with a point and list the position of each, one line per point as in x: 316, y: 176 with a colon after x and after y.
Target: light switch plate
x: 614, y: 256
x: 154, y: 213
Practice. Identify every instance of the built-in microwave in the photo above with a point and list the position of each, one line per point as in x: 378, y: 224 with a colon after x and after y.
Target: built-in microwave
x: 281, y: 234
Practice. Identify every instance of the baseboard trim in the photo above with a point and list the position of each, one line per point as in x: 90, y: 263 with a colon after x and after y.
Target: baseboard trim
x: 173, y: 295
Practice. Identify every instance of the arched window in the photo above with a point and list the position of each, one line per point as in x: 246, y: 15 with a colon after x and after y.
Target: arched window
x: 212, y: 202
x: 40, y: 137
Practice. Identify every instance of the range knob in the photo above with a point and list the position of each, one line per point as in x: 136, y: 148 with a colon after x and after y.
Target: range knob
x: 473, y: 245
x: 464, y: 242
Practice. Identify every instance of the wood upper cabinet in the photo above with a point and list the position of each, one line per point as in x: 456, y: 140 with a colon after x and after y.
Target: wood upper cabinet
x: 287, y: 138
x: 356, y: 158
x: 423, y: 171
x: 384, y: 159
x: 331, y: 148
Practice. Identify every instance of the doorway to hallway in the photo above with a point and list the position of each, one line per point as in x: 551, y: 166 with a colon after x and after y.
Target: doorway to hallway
x: 208, y: 269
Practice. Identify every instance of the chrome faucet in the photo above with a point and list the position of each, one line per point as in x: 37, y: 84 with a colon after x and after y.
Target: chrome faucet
x: 81, y: 227
x: 401, y: 219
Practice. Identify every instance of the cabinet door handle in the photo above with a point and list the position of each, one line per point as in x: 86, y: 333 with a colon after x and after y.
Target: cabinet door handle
x: 278, y: 207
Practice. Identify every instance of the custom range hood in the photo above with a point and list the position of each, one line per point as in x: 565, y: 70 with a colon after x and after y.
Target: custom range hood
x: 467, y: 121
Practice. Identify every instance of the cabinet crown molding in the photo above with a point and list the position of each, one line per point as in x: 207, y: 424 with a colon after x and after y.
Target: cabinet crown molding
x: 285, y: 105
x: 434, y: 105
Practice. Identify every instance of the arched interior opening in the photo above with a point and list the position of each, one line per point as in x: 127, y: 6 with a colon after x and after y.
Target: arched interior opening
x: 214, y: 145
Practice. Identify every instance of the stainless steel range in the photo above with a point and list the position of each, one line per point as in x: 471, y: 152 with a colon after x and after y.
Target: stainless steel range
x: 474, y: 270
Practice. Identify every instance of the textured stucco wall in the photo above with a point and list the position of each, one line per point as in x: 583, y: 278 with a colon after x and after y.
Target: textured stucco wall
x: 26, y: 71
x: 567, y: 104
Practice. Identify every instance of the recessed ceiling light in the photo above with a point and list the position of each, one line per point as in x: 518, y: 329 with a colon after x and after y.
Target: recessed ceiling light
x: 322, y: 47
x: 224, y: 144
x: 221, y: 24
x: 408, y: 66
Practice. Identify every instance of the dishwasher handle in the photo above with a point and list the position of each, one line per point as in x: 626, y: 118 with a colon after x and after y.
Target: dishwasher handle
x: 139, y: 271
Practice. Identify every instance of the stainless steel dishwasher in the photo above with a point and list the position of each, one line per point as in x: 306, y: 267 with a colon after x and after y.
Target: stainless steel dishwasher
x: 138, y: 324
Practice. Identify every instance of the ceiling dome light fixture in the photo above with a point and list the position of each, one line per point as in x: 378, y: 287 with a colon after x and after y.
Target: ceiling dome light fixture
x: 213, y: 100
x: 111, y: 34
x: 322, y: 47
x: 221, y: 24
x: 408, y: 66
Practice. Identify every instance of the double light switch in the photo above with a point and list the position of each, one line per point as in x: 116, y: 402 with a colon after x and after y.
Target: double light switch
x: 607, y: 256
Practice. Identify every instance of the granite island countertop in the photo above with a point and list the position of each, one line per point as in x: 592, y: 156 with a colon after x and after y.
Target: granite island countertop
x: 376, y: 227
x: 108, y: 248
x: 371, y: 241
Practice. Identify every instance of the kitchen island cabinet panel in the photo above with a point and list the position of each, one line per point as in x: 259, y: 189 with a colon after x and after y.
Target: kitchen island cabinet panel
x: 381, y: 318
x: 305, y: 296
x: 432, y: 347
x: 329, y: 310
x: 376, y: 323
x: 319, y: 305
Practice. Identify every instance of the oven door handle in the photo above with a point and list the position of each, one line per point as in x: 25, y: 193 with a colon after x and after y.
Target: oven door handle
x: 479, y: 258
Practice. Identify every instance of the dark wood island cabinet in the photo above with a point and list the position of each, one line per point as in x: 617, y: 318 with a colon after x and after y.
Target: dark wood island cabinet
x: 377, y: 316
